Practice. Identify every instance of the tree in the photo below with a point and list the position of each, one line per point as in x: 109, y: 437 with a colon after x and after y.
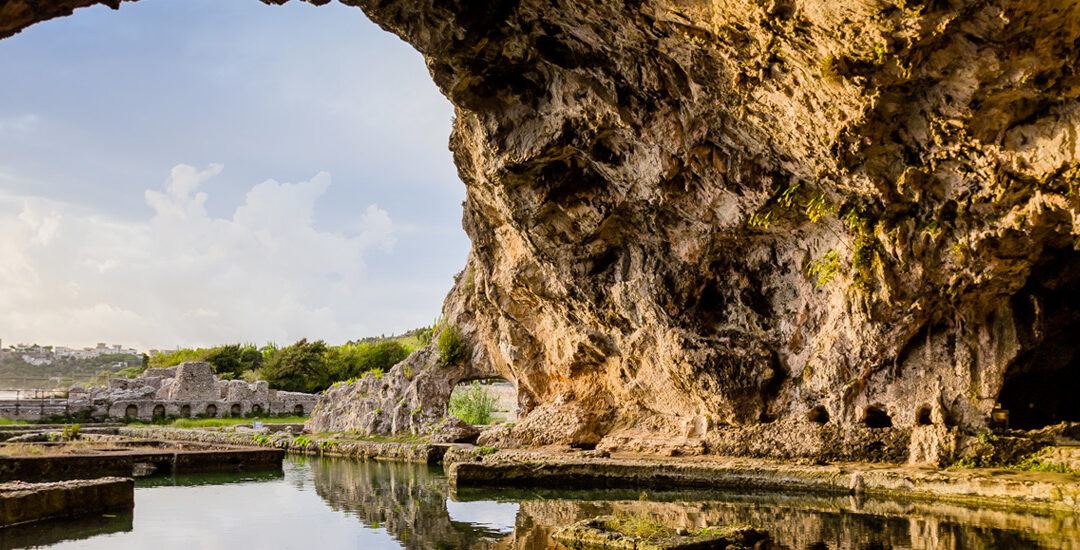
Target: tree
x: 353, y: 360
x: 234, y: 360
x: 300, y: 367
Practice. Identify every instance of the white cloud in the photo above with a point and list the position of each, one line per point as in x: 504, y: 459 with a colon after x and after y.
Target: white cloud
x: 182, y: 277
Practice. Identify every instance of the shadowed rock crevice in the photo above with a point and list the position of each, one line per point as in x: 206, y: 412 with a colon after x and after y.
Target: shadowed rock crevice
x: 1039, y: 387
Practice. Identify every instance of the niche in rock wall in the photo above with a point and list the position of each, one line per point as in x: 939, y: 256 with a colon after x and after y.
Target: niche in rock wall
x: 818, y: 415
x: 876, y: 417
x: 923, y: 416
x: 1041, y: 385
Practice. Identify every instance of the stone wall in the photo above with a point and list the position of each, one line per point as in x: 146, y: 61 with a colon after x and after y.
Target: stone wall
x: 29, y: 502
x: 187, y: 390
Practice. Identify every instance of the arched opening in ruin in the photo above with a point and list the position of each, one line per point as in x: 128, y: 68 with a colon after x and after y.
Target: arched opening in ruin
x: 922, y: 416
x: 211, y: 410
x: 159, y: 412
x: 236, y: 410
x: 876, y: 417
x: 256, y: 409
x: 298, y: 410
x: 185, y: 411
x: 818, y: 415
x: 131, y: 411
x: 1040, y: 384
x: 484, y: 402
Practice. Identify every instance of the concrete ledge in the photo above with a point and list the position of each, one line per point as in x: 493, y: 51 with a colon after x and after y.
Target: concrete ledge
x: 27, y: 502
x: 422, y: 453
x: 9, y: 432
x: 126, y: 459
x: 1000, y: 489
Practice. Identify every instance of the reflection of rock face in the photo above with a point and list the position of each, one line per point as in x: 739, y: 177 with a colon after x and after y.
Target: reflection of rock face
x: 408, y: 501
x: 649, y: 184
x: 826, y: 524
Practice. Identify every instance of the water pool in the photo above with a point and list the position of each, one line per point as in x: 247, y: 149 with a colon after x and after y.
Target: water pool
x: 336, y: 503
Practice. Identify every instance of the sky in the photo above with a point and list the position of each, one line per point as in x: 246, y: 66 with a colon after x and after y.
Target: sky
x: 202, y: 172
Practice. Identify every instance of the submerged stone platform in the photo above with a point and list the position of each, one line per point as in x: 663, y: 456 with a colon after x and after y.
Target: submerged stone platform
x: 604, y: 533
x: 136, y: 458
x: 29, y: 502
x: 985, y: 487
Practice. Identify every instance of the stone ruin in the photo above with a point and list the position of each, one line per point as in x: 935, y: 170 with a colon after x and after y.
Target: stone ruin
x: 187, y: 390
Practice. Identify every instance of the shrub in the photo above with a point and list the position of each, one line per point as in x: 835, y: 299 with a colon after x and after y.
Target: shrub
x: 423, y: 335
x: 451, y: 346
x: 71, y: 432
x: 230, y: 361
x: 473, y: 404
x: 354, y: 360
x: 300, y: 367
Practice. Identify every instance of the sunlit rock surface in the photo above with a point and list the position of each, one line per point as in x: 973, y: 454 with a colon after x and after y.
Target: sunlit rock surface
x: 691, y: 218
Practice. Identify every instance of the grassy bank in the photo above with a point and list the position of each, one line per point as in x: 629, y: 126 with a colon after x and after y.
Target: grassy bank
x: 221, y: 422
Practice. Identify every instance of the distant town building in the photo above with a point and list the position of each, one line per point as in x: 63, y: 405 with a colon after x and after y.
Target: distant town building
x: 46, y: 355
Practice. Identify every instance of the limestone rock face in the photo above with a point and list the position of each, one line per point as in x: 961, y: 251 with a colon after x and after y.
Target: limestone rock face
x: 689, y: 218
x: 412, y: 397
x: 454, y: 430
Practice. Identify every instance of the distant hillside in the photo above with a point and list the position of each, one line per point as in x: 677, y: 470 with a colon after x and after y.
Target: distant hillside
x: 62, y: 373
x: 412, y: 340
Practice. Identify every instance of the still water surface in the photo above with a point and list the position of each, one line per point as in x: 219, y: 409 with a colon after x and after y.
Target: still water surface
x: 333, y: 503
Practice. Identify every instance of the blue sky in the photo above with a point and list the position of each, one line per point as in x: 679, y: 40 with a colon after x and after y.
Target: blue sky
x: 192, y: 172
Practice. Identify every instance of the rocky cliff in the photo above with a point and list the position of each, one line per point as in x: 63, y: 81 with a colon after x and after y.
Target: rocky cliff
x: 689, y: 217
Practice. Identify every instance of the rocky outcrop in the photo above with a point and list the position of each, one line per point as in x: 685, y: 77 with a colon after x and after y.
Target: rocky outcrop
x: 702, y: 217
x: 412, y: 397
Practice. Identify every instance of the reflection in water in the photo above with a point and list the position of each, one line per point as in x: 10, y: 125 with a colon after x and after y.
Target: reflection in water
x: 408, y: 501
x: 210, y: 478
x: 336, y: 503
x: 411, y: 503
x: 52, y: 532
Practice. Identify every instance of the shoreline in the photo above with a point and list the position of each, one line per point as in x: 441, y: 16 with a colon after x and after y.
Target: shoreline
x: 468, y: 466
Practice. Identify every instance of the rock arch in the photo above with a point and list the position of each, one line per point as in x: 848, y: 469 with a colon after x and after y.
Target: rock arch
x: 637, y: 258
